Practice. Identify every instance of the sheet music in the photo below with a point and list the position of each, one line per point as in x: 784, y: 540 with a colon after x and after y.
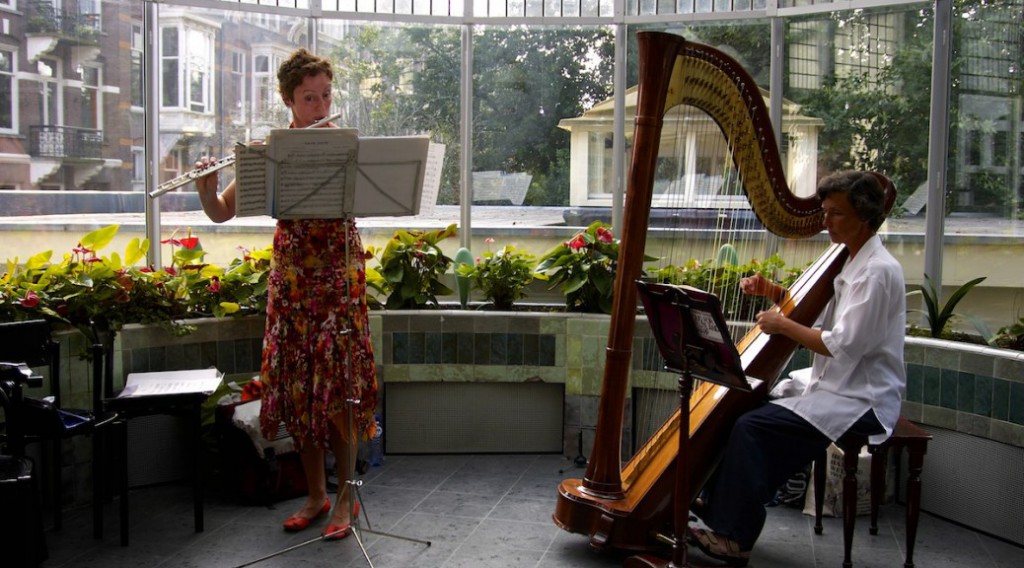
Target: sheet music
x: 250, y: 180
x: 432, y: 178
x: 200, y: 381
x: 328, y: 173
x: 391, y: 174
x: 312, y: 171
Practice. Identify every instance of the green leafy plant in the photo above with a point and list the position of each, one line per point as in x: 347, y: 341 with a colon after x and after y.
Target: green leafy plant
x: 411, y: 267
x: 584, y: 266
x: 940, y: 316
x: 1010, y: 336
x: 502, y: 276
x: 722, y: 278
x: 98, y: 293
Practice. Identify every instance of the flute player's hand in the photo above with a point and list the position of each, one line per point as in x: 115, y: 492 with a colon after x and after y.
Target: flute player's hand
x: 207, y: 183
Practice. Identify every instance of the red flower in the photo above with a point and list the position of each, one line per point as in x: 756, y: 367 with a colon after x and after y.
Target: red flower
x: 190, y: 242
x: 577, y: 243
x: 173, y: 242
x: 30, y: 300
x: 81, y: 250
x: 214, y: 285
x: 604, y: 235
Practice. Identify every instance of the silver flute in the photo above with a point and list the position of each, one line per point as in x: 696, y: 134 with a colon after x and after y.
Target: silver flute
x: 215, y: 165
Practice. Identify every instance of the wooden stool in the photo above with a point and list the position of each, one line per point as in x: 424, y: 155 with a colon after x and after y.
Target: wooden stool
x: 905, y: 435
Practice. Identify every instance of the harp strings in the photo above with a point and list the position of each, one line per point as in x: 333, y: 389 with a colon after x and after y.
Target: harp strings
x: 701, y: 224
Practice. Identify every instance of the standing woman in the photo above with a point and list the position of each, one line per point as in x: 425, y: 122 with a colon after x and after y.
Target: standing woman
x: 318, y: 371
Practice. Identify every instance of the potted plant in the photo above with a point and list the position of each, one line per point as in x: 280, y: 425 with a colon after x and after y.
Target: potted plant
x: 502, y: 276
x: 411, y: 266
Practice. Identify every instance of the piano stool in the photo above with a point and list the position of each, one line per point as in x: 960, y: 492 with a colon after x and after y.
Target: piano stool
x: 905, y: 435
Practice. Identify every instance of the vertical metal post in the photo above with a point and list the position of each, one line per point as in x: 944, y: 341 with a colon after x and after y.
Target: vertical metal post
x: 938, y: 142
x: 619, y: 125
x: 466, y: 136
x: 776, y: 69
x: 151, y: 92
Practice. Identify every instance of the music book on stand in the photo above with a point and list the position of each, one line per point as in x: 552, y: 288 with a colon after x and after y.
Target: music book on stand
x: 328, y: 173
x: 692, y: 333
x: 171, y: 383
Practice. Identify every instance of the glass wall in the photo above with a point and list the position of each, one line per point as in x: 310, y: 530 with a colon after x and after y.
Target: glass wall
x: 857, y: 89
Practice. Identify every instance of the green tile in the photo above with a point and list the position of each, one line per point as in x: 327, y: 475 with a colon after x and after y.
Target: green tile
x: 965, y: 392
x: 1000, y: 399
x: 915, y: 382
x: 983, y: 395
x: 947, y: 394
x: 1016, y: 403
x: 932, y: 386
x: 499, y: 348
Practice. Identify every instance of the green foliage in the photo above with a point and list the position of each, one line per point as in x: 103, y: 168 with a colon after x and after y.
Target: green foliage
x: 939, y: 316
x: 1011, y: 336
x: 502, y: 277
x: 584, y: 266
x: 93, y: 292
x: 411, y: 267
x: 722, y: 278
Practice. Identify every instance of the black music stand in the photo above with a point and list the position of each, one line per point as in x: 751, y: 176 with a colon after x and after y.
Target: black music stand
x: 692, y: 336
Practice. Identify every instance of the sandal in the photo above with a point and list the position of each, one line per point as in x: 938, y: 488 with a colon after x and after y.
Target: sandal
x: 719, y: 547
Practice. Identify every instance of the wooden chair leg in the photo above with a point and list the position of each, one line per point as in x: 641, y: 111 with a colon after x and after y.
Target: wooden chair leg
x: 879, y: 463
x: 820, y: 470
x: 851, y: 455
x: 915, y: 464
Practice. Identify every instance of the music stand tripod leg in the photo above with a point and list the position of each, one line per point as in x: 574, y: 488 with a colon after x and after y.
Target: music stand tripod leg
x: 681, y: 506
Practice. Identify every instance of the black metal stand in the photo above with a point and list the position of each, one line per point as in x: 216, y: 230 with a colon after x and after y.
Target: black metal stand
x: 681, y: 512
x: 693, y: 339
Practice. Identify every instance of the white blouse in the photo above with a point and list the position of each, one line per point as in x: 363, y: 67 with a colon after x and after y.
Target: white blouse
x: 863, y: 327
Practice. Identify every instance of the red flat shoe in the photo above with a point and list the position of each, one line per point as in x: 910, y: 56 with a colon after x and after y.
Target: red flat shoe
x: 338, y: 532
x: 296, y: 523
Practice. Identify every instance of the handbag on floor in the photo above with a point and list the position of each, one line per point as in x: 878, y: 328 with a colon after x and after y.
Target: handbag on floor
x: 261, y: 471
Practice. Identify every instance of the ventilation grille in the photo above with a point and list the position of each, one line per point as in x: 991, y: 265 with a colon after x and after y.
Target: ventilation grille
x: 973, y: 481
x: 454, y: 418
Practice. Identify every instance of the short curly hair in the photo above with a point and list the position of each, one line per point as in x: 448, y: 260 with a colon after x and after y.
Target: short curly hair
x: 863, y: 189
x: 300, y: 64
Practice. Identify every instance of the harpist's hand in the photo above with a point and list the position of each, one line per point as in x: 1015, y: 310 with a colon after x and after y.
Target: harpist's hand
x: 771, y: 322
x: 757, y: 285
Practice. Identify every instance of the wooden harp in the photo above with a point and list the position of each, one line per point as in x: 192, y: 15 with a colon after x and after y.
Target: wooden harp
x: 631, y: 507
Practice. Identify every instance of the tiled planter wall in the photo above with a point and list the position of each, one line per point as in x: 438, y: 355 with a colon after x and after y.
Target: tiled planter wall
x: 966, y: 388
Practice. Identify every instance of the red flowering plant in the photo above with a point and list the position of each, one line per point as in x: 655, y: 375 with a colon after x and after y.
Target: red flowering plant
x: 95, y: 293
x: 502, y: 276
x: 410, y: 269
x: 584, y: 266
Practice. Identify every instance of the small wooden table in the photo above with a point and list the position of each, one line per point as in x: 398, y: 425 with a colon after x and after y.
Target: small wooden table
x: 907, y: 435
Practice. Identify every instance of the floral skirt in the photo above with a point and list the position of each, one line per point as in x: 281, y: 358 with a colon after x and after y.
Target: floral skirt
x: 317, y: 353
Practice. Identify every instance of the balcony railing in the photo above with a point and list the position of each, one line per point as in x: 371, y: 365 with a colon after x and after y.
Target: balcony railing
x: 47, y: 141
x: 43, y: 17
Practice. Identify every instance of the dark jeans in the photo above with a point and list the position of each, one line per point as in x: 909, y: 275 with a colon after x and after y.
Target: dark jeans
x: 766, y: 447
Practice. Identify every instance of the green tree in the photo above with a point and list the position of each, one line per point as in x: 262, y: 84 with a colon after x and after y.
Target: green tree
x: 525, y: 81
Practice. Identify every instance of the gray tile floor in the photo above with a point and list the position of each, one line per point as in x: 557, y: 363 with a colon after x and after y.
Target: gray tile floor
x: 477, y: 511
